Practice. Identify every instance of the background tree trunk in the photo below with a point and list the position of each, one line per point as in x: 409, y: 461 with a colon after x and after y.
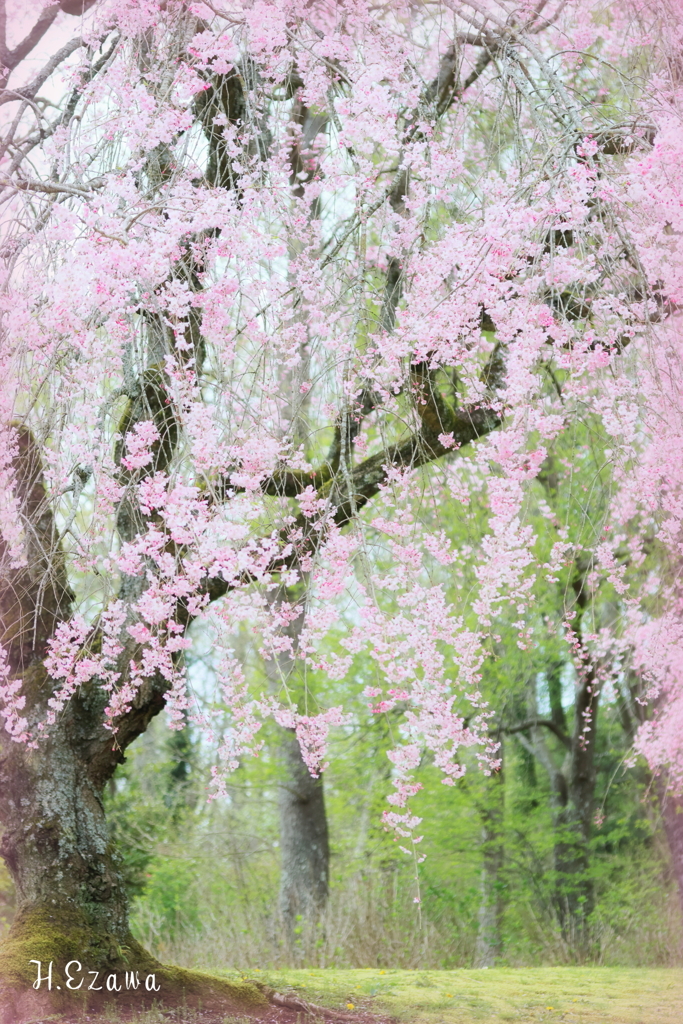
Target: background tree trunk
x: 489, y: 945
x: 304, y: 842
x: 574, y: 822
x: 633, y: 712
x: 671, y: 809
x: 572, y: 796
x: 304, y: 838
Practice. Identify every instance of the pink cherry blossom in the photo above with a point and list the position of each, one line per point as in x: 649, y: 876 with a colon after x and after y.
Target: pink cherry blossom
x: 279, y: 309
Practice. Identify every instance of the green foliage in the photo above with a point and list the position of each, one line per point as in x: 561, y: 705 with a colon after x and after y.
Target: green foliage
x: 208, y: 893
x: 170, y: 890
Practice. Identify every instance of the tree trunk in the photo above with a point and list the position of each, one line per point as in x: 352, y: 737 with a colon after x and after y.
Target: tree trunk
x: 489, y: 945
x: 71, y: 901
x: 574, y: 802
x: 633, y: 711
x: 55, y: 840
x: 304, y: 844
x: 671, y: 808
x: 304, y: 840
x: 72, y: 908
x: 572, y: 798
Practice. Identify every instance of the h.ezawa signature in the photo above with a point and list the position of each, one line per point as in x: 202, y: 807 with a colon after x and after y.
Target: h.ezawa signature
x: 112, y: 982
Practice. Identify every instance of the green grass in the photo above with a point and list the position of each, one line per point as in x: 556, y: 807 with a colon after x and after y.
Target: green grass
x: 571, y: 995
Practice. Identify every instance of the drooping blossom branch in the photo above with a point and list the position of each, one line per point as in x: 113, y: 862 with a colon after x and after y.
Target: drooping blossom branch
x: 268, y: 269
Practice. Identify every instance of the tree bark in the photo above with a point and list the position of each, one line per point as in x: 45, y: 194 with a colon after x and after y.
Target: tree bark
x: 304, y: 838
x: 633, y: 712
x: 575, y: 805
x: 572, y: 798
x: 489, y: 945
x: 671, y: 809
x: 71, y: 900
x: 304, y: 842
x: 55, y: 840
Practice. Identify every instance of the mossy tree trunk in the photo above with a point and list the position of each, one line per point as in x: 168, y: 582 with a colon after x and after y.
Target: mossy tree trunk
x: 54, y: 834
x: 71, y: 901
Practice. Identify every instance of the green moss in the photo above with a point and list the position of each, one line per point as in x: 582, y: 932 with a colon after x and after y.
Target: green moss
x: 41, y: 933
x: 209, y: 987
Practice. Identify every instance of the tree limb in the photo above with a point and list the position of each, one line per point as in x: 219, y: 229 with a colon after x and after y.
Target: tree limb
x: 22, y: 49
x: 51, y: 188
x: 544, y: 723
x: 3, y: 33
x: 29, y: 91
x: 421, y: 448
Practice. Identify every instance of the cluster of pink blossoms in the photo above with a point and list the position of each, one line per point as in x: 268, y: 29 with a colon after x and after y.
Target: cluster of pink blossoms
x: 188, y: 351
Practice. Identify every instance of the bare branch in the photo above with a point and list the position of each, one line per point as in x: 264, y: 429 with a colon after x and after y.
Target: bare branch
x: 42, y: 134
x: 45, y: 19
x: 29, y: 91
x: 3, y: 33
x: 51, y: 188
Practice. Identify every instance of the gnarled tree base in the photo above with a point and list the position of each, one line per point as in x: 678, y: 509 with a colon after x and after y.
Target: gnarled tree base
x: 123, y: 975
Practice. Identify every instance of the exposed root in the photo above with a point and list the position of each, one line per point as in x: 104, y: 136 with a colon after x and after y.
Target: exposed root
x: 292, y: 1002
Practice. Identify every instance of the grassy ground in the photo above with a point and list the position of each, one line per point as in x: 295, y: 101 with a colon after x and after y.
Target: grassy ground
x: 571, y: 995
